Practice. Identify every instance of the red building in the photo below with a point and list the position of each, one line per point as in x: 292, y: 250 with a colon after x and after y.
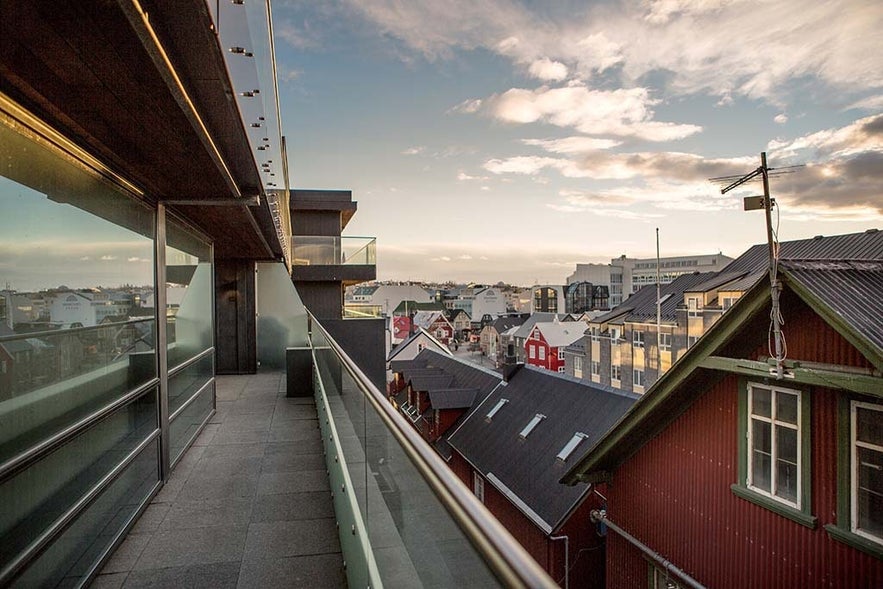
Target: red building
x: 544, y: 347
x: 435, y: 323
x: 736, y: 477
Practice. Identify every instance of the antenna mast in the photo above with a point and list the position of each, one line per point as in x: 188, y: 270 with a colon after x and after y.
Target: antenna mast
x: 765, y: 202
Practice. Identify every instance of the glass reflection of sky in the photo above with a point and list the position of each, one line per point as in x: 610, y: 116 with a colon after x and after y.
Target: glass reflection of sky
x: 45, y: 244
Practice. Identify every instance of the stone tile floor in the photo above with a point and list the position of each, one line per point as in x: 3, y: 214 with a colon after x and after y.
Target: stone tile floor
x: 249, y: 504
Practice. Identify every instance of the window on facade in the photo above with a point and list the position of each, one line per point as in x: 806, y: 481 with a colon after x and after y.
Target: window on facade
x: 615, y: 372
x: 478, y: 486
x: 578, y: 366
x: 533, y: 351
x: 691, y: 340
x: 534, y: 421
x: 440, y: 333
x: 665, y: 341
x: 614, y: 334
x: 694, y: 307
x: 495, y: 408
x: 638, y: 378
x: 727, y: 302
x: 774, y: 443
x: 542, y: 352
x: 660, y: 579
x: 568, y: 448
x: 866, y: 484
x: 562, y: 369
x: 596, y: 368
x: 638, y: 339
x: 596, y: 334
x: 561, y: 353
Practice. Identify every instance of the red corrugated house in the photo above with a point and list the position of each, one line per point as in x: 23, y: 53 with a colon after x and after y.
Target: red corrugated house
x: 726, y: 475
x: 435, y: 323
x: 544, y: 347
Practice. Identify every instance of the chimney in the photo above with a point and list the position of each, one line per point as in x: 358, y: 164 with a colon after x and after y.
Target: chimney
x: 510, y: 365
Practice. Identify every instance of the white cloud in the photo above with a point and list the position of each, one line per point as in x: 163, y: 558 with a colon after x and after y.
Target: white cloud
x: 703, y: 46
x: 621, y: 113
x: 575, y: 144
x: 467, y: 106
x: 464, y: 257
x: 548, y: 70
x: 869, y: 103
x: 108, y: 258
x: 464, y: 177
x: 416, y: 150
x: 781, y: 118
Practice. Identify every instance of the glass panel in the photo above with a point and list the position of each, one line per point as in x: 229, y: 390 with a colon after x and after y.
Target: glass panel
x: 72, y: 555
x: 186, y: 425
x: 333, y: 251
x: 185, y: 383
x: 76, y: 273
x: 870, y: 491
x: 786, y: 407
x: 760, y: 401
x: 282, y: 317
x: 34, y: 498
x: 761, y: 457
x: 869, y: 424
x: 189, y: 294
x: 786, y: 463
x: 414, y: 541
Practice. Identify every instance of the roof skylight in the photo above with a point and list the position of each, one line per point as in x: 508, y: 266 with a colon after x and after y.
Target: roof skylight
x: 531, y: 425
x: 570, y: 446
x: 497, y: 407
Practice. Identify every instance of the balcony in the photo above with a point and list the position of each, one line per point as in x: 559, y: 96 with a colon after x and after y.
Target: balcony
x: 312, y: 478
x: 348, y: 260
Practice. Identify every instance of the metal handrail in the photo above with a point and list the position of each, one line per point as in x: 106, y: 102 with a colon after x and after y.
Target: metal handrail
x: 508, y: 560
x: 70, y: 330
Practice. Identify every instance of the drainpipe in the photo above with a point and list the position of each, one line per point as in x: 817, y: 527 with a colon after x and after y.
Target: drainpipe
x: 598, y: 516
x: 566, y: 558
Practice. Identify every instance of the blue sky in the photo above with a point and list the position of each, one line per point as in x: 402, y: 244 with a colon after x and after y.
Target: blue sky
x: 506, y: 140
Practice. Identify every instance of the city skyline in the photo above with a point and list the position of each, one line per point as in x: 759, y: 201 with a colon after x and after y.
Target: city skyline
x: 510, y: 141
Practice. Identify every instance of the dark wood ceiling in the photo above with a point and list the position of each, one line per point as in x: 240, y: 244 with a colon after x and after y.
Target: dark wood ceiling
x: 90, y: 71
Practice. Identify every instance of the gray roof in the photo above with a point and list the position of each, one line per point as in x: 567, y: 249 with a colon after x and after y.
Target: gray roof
x: 852, y: 290
x: 429, y: 382
x: 524, y: 330
x: 527, y: 470
x: 452, y: 398
x: 504, y: 323
x: 676, y: 289
x: 854, y: 246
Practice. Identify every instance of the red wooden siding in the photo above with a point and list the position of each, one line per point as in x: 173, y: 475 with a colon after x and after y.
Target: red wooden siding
x: 674, y: 495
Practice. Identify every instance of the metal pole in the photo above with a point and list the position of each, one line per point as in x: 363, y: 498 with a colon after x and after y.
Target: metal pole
x: 683, y: 578
x: 775, y: 287
x: 161, y: 311
x: 566, y: 558
x: 658, y: 312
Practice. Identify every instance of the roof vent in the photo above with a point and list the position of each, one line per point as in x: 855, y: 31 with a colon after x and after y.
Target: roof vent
x: 818, y: 237
x: 872, y: 230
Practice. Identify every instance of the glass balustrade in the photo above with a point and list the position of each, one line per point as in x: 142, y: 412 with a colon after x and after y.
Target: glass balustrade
x: 311, y: 250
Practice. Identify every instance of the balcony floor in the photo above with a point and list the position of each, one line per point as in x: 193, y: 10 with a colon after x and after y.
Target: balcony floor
x: 249, y: 504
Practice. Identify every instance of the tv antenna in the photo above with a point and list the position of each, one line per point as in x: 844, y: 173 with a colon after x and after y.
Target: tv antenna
x: 765, y: 202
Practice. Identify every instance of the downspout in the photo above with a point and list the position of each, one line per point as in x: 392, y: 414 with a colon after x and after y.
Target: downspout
x: 566, y: 558
x: 601, y: 516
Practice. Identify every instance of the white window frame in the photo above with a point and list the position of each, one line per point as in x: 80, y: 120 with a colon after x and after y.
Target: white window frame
x: 561, y: 353
x: 578, y: 363
x: 638, y: 339
x: 694, y: 307
x: 532, y: 349
x: 665, y: 341
x: 596, y: 334
x: 636, y: 377
x: 853, y: 477
x: 542, y: 352
x: 562, y: 369
x: 534, y: 421
x: 773, y: 444
x: 616, y: 369
x: 596, y: 368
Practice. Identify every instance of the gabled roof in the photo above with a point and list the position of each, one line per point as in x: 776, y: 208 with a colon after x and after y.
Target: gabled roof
x: 524, y: 330
x: 853, y: 246
x: 452, y: 398
x: 427, y: 318
x: 850, y: 292
x: 410, y: 341
x: 410, y: 306
x: 558, y: 335
x: 672, y: 296
x: 847, y: 295
x: 451, y: 314
x: 429, y: 382
x: 504, y: 323
x: 527, y: 470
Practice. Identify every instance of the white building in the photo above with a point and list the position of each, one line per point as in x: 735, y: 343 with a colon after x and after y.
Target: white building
x: 625, y: 276
x: 387, y: 296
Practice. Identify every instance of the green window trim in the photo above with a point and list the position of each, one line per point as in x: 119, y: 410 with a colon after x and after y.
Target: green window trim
x: 803, y: 514
x: 842, y: 530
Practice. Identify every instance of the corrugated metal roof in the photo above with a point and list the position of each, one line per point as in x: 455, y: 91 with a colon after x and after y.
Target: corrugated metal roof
x: 429, y: 382
x: 853, y: 246
x: 853, y: 290
x: 528, y: 467
x: 672, y: 297
x: 561, y: 334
